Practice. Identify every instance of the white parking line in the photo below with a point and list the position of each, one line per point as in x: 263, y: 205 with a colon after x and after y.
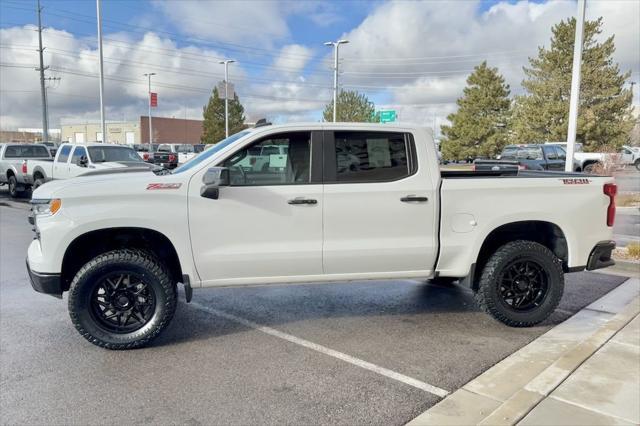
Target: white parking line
x: 327, y: 351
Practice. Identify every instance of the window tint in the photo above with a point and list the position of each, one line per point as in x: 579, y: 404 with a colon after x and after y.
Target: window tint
x: 279, y: 160
x: 64, y: 154
x: 26, y: 151
x: 78, y: 153
x: 550, y: 152
x: 164, y: 148
x: 562, y: 155
x: 529, y: 153
x: 370, y: 156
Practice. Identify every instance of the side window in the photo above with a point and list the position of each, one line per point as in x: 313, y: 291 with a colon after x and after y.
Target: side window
x: 64, y: 154
x: 78, y: 153
x: 370, y: 156
x: 562, y: 155
x: 277, y: 160
x: 550, y: 152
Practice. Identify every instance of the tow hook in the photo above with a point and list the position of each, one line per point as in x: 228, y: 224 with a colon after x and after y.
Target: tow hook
x: 188, y: 291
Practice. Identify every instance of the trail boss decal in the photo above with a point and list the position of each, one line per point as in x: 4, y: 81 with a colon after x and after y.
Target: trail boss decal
x: 154, y: 186
x: 576, y: 181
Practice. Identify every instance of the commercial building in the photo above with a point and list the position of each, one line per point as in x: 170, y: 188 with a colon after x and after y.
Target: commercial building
x: 165, y: 130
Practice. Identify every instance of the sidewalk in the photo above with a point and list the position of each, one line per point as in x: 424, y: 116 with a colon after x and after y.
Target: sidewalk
x: 584, y: 371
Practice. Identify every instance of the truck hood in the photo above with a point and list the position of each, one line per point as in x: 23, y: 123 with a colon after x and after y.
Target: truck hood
x: 133, y: 181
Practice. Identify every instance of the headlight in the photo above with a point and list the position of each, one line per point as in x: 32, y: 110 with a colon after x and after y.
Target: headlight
x: 46, y: 207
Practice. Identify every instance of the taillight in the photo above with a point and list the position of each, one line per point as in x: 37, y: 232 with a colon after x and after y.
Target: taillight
x: 473, y: 167
x: 610, y: 190
x: 24, y: 167
x: 172, y: 158
x: 522, y: 167
x: 145, y: 156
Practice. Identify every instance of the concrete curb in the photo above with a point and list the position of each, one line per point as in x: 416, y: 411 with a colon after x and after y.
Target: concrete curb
x: 509, y: 390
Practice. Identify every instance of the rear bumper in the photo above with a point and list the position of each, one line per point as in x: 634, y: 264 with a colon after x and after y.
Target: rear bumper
x: 600, y: 256
x: 45, y: 283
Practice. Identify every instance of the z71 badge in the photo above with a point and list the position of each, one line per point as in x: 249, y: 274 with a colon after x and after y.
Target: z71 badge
x: 153, y: 186
x: 576, y: 181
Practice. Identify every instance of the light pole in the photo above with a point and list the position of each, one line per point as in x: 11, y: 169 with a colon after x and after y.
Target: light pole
x: 150, y: 126
x: 335, y: 45
x: 226, y: 63
x: 575, y: 87
x: 102, y: 120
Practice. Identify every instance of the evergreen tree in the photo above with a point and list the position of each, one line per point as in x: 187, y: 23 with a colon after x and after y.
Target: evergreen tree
x: 604, y: 119
x: 213, y: 113
x: 479, y: 126
x: 352, y: 107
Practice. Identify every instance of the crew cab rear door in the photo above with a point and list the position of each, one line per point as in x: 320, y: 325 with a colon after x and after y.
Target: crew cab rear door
x: 380, y: 206
x: 267, y: 225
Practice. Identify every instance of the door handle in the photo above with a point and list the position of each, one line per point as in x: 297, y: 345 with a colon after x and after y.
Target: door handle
x: 300, y: 200
x: 414, y: 199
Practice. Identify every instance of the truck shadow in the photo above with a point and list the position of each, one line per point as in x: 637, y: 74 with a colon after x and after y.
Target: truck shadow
x: 432, y: 308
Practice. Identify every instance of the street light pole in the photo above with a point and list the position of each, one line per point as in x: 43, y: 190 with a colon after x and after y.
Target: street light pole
x: 102, y: 120
x: 226, y: 63
x: 335, y: 45
x: 575, y: 87
x: 43, y: 90
x: 149, y: 100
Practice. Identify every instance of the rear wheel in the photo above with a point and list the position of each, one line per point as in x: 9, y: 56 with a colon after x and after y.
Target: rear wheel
x: 521, y: 284
x: 637, y: 164
x: 122, y: 299
x: 13, y: 187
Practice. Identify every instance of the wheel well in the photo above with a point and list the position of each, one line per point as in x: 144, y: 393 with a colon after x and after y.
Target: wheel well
x: 589, y: 162
x: 545, y: 233
x: 10, y: 173
x: 37, y: 174
x: 89, y: 245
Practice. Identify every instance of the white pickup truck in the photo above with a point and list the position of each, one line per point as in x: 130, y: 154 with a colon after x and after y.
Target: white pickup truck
x: 77, y: 159
x: 353, y: 202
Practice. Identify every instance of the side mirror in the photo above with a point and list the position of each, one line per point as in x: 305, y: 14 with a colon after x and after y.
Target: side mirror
x: 84, y: 161
x: 212, y: 180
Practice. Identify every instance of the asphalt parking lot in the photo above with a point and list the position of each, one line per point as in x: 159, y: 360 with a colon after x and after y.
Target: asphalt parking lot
x: 345, y: 353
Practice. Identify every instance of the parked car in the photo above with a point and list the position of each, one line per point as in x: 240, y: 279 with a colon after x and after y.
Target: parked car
x: 184, y: 152
x: 13, y: 171
x: 77, y: 159
x: 53, y: 147
x: 393, y: 215
x: 630, y: 155
x: 198, y: 148
x: 587, y: 162
x: 527, y: 157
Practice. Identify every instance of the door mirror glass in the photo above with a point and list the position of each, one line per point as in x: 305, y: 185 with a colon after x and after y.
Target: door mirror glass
x: 84, y: 161
x: 212, y: 180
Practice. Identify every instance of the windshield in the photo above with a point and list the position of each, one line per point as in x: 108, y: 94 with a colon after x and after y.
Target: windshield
x: 102, y: 154
x: 208, y: 153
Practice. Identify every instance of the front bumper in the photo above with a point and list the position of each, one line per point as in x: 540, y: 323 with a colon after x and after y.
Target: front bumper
x: 600, y: 256
x: 45, y: 283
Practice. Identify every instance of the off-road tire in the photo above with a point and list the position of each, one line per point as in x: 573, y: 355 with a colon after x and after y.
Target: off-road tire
x: 137, y: 261
x: 489, y: 299
x: 12, y: 183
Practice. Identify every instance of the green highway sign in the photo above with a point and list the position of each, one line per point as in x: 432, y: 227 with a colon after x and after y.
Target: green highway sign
x: 387, y: 116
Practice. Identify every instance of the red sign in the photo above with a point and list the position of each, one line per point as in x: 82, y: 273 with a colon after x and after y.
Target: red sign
x: 154, y: 99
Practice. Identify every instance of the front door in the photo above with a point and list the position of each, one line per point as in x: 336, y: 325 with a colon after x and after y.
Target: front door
x: 380, y: 208
x: 267, y: 225
x: 76, y: 167
x: 553, y: 161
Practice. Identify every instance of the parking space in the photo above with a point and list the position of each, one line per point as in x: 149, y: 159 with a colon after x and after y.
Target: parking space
x: 346, y: 353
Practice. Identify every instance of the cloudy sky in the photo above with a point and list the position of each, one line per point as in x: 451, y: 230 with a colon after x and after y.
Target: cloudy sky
x: 406, y: 55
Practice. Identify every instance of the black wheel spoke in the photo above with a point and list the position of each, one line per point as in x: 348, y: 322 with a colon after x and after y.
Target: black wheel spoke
x: 123, y: 303
x: 523, y: 285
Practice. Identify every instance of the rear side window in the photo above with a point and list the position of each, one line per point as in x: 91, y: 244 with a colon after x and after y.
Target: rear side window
x: 26, y: 151
x: 64, y: 154
x: 371, y: 156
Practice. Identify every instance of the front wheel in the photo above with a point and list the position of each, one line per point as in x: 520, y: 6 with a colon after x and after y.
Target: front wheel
x: 122, y: 299
x: 637, y: 164
x: 521, y: 284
